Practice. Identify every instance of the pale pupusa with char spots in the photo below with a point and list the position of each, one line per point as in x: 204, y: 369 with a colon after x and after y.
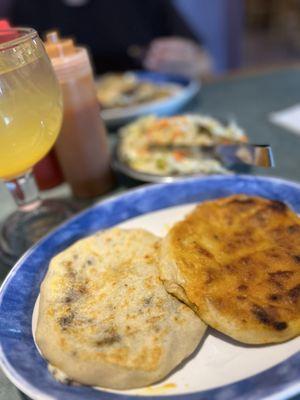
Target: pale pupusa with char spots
x: 112, y: 322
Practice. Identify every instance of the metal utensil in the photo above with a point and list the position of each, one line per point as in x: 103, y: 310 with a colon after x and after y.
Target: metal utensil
x: 259, y: 155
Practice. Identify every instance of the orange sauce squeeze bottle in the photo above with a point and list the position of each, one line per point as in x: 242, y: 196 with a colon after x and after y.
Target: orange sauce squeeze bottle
x: 81, y: 147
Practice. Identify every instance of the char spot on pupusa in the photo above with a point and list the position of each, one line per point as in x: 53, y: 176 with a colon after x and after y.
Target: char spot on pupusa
x: 274, y: 297
x: 108, y: 340
x: 265, y: 318
x: 296, y: 258
x: 67, y: 263
x: 280, y: 274
x: 277, y: 206
x: 90, y: 262
x: 66, y: 320
x: 294, y: 293
x: 147, y: 300
x: 75, y: 294
x: 109, y: 337
x: 294, y: 229
x: 210, y: 276
x: 242, y: 200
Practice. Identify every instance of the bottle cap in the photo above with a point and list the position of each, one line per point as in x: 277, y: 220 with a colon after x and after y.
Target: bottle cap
x: 7, y: 32
x: 57, y: 46
x: 68, y: 60
x: 4, y: 24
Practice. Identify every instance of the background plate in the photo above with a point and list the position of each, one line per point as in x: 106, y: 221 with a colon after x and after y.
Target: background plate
x: 19, y: 356
x: 168, y: 106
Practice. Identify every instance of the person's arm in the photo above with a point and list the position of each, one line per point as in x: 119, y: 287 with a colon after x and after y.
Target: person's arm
x: 180, y: 56
x: 179, y: 51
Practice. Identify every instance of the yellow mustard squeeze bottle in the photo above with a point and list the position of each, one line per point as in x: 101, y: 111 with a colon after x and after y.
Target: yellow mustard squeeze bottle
x: 82, y: 147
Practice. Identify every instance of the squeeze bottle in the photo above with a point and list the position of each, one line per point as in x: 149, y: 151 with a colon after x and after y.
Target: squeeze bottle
x: 81, y: 147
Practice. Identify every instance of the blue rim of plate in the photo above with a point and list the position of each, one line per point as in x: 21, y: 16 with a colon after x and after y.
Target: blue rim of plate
x: 161, y: 107
x: 19, y: 357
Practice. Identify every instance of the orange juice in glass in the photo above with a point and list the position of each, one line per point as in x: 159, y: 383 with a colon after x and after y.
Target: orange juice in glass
x: 30, y: 119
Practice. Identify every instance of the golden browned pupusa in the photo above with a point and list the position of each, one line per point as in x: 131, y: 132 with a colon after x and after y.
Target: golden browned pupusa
x: 105, y: 317
x: 236, y: 262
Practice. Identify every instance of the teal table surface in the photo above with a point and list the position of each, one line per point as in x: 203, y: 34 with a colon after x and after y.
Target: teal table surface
x: 247, y: 99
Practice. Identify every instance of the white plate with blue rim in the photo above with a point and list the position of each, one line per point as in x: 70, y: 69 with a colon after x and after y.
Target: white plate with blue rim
x: 219, y: 369
x: 187, y: 89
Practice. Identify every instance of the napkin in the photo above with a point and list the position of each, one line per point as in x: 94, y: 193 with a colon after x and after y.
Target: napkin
x: 288, y: 118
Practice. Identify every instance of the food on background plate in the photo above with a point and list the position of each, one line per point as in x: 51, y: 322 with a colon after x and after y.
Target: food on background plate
x: 137, y: 139
x: 112, y: 322
x: 119, y: 90
x: 236, y: 262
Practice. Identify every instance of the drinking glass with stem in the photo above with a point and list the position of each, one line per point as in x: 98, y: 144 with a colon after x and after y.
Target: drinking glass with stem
x: 30, y: 120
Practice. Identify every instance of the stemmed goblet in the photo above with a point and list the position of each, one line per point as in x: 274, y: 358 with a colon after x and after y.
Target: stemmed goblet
x: 30, y: 120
